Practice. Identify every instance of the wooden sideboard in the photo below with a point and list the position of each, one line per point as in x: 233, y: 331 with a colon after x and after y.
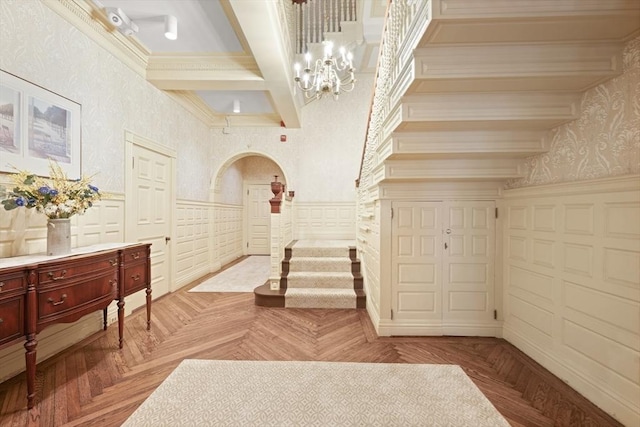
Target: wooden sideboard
x: 37, y: 291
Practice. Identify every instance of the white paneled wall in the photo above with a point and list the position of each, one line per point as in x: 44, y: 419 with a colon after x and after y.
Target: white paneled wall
x: 369, y: 251
x: 193, y: 255
x: 572, y: 285
x: 325, y: 220
x: 24, y: 231
x: 227, y: 232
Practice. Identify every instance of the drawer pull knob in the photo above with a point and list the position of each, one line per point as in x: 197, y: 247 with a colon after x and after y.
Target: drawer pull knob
x: 62, y: 298
x: 61, y: 276
x: 113, y: 262
x: 1, y: 285
x: 1, y: 320
x: 136, y: 255
x: 136, y: 277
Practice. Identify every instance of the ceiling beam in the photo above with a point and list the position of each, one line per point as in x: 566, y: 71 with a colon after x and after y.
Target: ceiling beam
x: 204, y: 72
x: 267, y: 37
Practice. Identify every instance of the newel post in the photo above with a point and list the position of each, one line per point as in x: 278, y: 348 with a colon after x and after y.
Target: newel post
x: 277, y: 188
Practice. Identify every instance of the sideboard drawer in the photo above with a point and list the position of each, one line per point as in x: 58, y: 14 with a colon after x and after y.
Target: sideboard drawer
x: 12, y: 282
x: 134, y: 256
x: 135, y: 278
x: 11, y: 319
x: 69, y: 299
x: 76, y: 269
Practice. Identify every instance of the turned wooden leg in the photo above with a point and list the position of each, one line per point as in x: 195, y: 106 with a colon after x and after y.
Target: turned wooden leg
x: 148, y: 291
x: 120, y: 321
x: 30, y: 359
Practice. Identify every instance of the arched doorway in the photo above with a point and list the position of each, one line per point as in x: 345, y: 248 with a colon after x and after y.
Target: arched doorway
x: 243, y: 182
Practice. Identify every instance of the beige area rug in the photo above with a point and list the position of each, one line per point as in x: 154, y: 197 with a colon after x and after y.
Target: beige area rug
x: 242, y: 277
x: 259, y: 393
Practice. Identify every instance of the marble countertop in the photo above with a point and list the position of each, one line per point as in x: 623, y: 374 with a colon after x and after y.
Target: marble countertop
x: 38, y: 258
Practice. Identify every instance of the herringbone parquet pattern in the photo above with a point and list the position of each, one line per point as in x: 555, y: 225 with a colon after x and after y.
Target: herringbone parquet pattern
x: 95, y: 384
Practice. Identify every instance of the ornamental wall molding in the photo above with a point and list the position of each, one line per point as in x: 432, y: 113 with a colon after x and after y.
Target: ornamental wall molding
x: 80, y: 14
x: 205, y: 62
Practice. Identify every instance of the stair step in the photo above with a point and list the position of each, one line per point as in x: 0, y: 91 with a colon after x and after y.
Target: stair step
x: 315, y: 251
x: 320, y: 264
x: 316, y: 279
x: 320, y: 298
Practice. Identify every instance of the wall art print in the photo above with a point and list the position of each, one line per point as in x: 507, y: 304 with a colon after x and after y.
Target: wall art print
x: 37, y: 125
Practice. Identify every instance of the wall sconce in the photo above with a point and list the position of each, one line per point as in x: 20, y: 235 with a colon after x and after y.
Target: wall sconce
x: 170, y: 27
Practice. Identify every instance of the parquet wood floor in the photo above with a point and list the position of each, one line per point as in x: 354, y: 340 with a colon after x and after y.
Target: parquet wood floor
x: 95, y: 384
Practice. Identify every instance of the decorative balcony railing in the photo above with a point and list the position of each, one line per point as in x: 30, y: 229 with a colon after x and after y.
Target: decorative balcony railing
x: 313, y: 18
x: 406, y: 21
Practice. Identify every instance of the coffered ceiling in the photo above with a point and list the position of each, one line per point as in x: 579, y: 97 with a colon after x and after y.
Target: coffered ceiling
x: 226, y: 51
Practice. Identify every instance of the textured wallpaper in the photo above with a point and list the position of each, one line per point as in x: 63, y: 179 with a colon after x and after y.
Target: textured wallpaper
x: 231, y: 184
x: 38, y: 45
x: 250, y: 169
x: 260, y: 170
x: 603, y: 141
x: 320, y: 161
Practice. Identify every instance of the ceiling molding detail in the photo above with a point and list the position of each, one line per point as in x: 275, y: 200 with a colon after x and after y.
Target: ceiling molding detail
x: 233, y: 62
x: 86, y: 18
x: 196, y: 106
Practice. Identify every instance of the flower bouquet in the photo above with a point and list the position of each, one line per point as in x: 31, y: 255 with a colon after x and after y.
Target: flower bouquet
x: 57, y: 197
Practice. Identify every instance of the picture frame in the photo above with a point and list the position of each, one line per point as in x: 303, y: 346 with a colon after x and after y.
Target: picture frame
x: 36, y: 126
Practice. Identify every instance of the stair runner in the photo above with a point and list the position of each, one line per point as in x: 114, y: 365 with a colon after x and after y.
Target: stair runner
x: 318, y: 274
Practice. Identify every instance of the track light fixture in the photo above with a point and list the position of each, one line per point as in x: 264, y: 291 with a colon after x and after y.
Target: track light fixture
x: 170, y: 27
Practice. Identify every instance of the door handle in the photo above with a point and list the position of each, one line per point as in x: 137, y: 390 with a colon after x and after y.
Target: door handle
x: 445, y: 245
x: 167, y: 239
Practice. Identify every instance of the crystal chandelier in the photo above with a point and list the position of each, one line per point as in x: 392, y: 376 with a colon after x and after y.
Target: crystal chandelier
x: 329, y: 75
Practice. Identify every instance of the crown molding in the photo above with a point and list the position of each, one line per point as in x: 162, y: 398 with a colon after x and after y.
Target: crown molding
x: 203, y: 62
x: 194, y: 104
x: 88, y: 19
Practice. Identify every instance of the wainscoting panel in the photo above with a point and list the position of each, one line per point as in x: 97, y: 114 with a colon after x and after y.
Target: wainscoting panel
x: 227, y: 232
x: 572, y: 285
x: 325, y: 220
x: 193, y: 255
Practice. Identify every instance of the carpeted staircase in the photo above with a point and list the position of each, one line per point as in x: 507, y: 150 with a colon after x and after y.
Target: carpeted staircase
x: 317, y: 274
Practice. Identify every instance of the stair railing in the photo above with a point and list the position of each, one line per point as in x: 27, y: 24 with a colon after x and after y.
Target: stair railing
x: 315, y: 17
x: 405, y: 19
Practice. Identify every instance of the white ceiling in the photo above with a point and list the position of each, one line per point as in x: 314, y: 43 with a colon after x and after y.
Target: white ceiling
x: 213, y: 29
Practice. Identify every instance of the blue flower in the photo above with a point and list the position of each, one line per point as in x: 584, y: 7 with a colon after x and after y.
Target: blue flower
x: 53, y: 192
x: 20, y: 201
x: 31, y: 201
x: 44, y: 190
x: 93, y: 188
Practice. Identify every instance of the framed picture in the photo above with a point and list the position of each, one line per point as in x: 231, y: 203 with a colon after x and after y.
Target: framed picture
x: 37, y: 125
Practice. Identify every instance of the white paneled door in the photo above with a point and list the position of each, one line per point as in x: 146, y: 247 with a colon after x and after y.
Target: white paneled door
x: 149, y: 210
x: 258, y: 219
x: 468, y: 261
x: 443, y: 264
x: 416, y: 261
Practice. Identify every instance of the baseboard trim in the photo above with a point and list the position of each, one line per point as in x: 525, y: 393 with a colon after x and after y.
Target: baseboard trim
x: 393, y: 328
